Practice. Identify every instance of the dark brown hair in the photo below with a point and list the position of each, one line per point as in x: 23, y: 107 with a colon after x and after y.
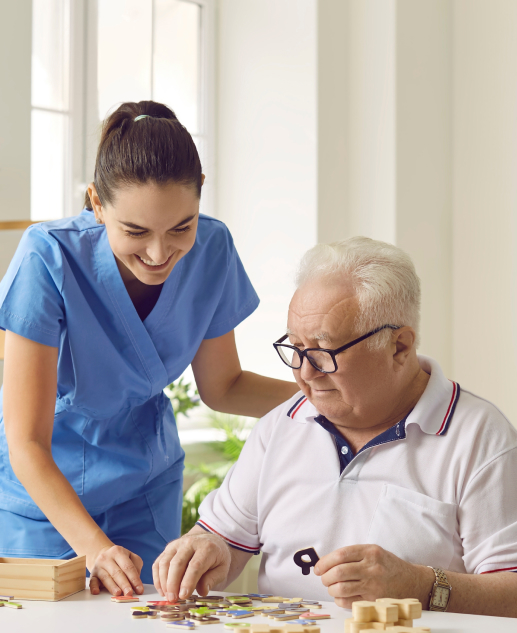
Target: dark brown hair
x: 155, y: 149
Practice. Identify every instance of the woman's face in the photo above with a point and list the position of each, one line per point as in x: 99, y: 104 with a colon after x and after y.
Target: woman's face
x: 150, y: 228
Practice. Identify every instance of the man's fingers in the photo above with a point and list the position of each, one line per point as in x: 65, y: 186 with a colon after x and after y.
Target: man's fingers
x: 185, y: 569
x: 343, y: 573
x: 351, y: 554
x: 161, y: 569
x: 346, y: 589
x: 94, y: 585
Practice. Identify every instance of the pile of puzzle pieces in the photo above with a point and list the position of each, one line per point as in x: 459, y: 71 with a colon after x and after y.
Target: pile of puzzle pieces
x: 386, y: 614
x: 7, y: 601
x: 198, y: 610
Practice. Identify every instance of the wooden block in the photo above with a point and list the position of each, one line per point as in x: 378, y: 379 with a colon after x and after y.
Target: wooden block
x: 409, y: 608
x: 41, y: 578
x: 281, y: 616
x: 260, y: 628
x: 6, y: 598
x: 408, y: 623
x: 409, y: 629
x: 293, y: 628
x: 13, y: 605
x: 366, y: 611
x: 242, y: 625
x: 351, y: 626
x: 186, y: 624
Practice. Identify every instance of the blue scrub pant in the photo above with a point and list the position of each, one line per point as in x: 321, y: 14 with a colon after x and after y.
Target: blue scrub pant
x: 143, y: 525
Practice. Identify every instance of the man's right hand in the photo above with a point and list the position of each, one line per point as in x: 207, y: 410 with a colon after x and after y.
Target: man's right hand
x: 194, y: 561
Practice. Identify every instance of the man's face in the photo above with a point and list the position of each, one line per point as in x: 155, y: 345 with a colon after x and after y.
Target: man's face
x: 322, y: 314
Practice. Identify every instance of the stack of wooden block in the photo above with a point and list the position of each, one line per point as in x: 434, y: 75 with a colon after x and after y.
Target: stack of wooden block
x: 386, y: 614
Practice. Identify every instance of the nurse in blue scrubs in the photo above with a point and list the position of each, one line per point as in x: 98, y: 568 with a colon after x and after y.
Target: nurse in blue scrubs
x: 102, y: 311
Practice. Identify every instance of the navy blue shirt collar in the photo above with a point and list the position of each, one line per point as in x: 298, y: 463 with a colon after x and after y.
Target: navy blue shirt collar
x: 344, y: 450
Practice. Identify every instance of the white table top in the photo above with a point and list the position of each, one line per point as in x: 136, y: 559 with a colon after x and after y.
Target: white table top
x: 84, y: 613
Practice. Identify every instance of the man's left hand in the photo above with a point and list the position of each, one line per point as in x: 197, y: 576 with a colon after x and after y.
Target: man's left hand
x: 368, y: 572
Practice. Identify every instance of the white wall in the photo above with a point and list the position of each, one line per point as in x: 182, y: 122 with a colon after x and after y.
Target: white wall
x: 266, y: 160
x: 394, y: 74
x: 485, y: 200
x: 15, y: 110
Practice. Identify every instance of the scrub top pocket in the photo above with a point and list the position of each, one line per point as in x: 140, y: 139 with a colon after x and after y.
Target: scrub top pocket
x: 414, y: 527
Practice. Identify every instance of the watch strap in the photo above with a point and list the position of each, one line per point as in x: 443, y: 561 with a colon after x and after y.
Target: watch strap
x: 441, y: 581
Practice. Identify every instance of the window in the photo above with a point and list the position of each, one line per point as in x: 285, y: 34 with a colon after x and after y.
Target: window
x: 89, y: 56
x: 50, y: 116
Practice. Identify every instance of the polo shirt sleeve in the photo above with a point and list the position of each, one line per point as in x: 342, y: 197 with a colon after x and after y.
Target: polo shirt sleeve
x: 488, y: 516
x: 31, y: 303
x: 238, y: 298
x: 232, y: 510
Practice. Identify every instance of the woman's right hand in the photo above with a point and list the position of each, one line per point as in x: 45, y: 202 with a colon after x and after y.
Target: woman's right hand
x: 116, y: 569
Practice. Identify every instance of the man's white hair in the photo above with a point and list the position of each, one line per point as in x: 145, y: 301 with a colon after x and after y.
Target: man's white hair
x: 386, y: 283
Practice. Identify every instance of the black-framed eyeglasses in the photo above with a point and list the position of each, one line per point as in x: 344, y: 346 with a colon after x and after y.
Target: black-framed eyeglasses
x: 323, y: 360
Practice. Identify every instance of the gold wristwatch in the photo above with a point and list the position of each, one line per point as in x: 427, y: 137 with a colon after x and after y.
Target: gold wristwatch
x: 441, y: 591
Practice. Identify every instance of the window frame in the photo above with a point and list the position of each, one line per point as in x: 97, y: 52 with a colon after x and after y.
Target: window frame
x: 87, y: 128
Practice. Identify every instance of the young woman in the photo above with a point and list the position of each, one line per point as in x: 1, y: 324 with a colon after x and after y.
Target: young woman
x: 102, y: 311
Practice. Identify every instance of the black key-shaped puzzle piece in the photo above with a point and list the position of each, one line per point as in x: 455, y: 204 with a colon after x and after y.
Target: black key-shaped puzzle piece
x: 300, y: 559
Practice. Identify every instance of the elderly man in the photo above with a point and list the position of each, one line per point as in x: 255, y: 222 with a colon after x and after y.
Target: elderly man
x: 403, y: 484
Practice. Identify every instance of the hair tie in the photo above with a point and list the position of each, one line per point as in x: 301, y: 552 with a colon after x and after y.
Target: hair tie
x: 140, y: 116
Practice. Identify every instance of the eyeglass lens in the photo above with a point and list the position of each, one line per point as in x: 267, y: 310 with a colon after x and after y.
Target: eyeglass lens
x: 320, y: 360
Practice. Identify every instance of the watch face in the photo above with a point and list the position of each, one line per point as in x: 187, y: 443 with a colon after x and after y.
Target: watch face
x: 440, y: 597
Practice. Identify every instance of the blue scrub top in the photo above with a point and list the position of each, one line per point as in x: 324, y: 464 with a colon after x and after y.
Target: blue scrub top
x: 114, y: 434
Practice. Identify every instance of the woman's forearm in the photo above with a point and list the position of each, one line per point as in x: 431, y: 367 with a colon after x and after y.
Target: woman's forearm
x: 52, y: 493
x: 254, y: 395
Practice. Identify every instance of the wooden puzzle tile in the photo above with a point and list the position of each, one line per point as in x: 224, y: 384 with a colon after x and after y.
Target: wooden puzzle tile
x: 403, y: 622
x: 239, y: 613
x: 409, y: 608
x: 185, y: 624
x: 162, y: 603
x: 311, y: 623
x: 138, y: 615
x: 13, y: 605
x: 236, y: 625
x: 366, y: 611
x: 209, y: 619
x: 275, y: 599
x: 301, y: 556
x: 152, y: 614
x: 122, y: 599
x: 281, y: 616
x: 316, y: 616
x: 268, y: 612
x: 286, y: 605
x: 6, y: 598
x: 258, y: 596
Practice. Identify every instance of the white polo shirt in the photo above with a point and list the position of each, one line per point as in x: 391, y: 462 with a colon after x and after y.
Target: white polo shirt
x: 439, y: 488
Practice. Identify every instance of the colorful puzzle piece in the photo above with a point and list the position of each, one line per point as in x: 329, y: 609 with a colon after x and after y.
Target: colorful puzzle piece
x: 316, y: 616
x: 275, y: 599
x: 240, y: 613
x: 125, y: 599
x: 185, y: 624
x: 6, y: 598
x: 236, y: 625
x: 13, y: 605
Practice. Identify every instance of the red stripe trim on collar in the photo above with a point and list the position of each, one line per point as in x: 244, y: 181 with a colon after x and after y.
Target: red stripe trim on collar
x: 246, y: 548
x: 450, y: 410
x: 493, y: 571
x: 301, y: 403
